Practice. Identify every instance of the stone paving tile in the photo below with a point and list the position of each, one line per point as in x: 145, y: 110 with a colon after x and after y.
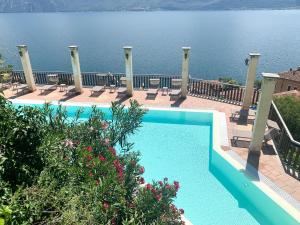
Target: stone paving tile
x: 269, y: 164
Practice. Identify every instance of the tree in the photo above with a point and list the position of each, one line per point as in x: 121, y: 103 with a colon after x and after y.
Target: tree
x: 289, y: 108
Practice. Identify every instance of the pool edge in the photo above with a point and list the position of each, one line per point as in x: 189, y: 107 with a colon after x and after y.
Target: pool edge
x: 262, y: 185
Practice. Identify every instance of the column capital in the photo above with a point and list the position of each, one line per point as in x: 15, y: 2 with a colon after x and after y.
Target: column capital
x: 253, y: 55
x: 186, y: 49
x: 73, y: 47
x: 127, y: 47
x: 20, y: 47
x: 272, y: 76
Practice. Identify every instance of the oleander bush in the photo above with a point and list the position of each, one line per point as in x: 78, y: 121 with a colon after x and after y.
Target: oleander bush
x: 57, y: 170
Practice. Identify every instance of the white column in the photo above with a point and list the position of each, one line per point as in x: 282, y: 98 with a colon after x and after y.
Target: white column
x: 251, y: 75
x: 23, y: 52
x: 128, y: 68
x: 185, y: 71
x: 76, y: 68
x: 265, y: 100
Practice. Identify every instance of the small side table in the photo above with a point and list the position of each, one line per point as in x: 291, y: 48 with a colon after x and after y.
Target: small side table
x: 112, y: 88
x: 165, y: 90
x: 62, y: 87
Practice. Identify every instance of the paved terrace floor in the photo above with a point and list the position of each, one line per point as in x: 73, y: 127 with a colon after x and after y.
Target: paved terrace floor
x: 268, y: 163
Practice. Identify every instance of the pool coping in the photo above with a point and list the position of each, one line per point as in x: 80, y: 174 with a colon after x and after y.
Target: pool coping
x: 279, y: 196
x: 264, y: 184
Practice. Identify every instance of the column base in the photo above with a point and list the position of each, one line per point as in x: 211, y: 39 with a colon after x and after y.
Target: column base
x: 243, y: 119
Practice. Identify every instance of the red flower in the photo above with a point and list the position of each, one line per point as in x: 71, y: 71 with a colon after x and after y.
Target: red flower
x: 101, y: 158
x: 142, y: 170
x: 176, y: 184
x: 112, y: 150
x: 149, y: 186
x: 105, y: 205
x: 153, y: 191
x: 158, y: 197
x: 181, y: 211
x: 161, y: 183
x: 89, y: 148
x: 89, y: 157
x: 90, y: 174
x: 142, y: 180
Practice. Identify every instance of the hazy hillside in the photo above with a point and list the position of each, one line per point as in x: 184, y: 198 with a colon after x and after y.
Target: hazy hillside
x: 113, y: 5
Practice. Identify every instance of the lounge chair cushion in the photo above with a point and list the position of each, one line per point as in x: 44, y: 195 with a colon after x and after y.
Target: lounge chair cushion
x: 47, y: 87
x: 98, y: 88
x: 152, y: 91
x: 175, y: 92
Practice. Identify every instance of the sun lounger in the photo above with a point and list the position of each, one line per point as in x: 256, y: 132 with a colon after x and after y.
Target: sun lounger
x: 153, y: 88
x: 48, y: 87
x: 244, y: 134
x: 20, y: 87
x: 122, y: 89
x: 97, y: 89
x: 70, y: 89
x: 175, y: 91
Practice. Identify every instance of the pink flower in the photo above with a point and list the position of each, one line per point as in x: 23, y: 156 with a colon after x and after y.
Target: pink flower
x: 153, y: 190
x: 176, y: 184
x: 158, y: 197
x: 68, y: 143
x: 142, y: 170
x: 142, y: 180
x: 112, y: 150
x: 160, y: 183
x: 101, y: 158
x: 181, y: 211
x: 148, y: 186
x: 89, y: 148
x: 104, y: 125
x: 168, y: 186
x: 105, y: 205
x: 106, y: 141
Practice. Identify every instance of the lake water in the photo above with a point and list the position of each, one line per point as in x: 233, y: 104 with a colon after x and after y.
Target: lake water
x: 220, y: 40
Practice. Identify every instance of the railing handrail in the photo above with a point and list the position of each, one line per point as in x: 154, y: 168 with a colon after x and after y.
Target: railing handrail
x: 285, y: 126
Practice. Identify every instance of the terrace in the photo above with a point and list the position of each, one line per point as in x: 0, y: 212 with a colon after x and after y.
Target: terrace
x: 275, y: 166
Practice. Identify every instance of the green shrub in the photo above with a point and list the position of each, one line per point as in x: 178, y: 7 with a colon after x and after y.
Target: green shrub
x: 80, y: 178
x: 289, y: 108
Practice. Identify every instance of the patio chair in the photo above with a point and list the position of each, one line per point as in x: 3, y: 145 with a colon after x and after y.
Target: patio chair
x: 122, y: 90
x: 18, y: 87
x: 98, y: 88
x: 52, y: 80
x: 244, y: 134
x: 70, y: 89
x: 153, y: 88
x: 175, y: 91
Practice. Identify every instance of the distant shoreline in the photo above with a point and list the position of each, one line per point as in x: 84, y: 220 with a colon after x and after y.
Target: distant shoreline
x: 160, y: 10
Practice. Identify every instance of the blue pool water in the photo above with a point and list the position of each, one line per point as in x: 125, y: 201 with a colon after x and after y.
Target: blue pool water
x: 178, y: 145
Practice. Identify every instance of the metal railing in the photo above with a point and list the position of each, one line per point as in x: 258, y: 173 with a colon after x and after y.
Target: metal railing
x: 218, y: 91
x: 287, y: 148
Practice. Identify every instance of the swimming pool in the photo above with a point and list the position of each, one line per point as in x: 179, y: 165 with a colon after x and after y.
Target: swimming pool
x: 180, y: 145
